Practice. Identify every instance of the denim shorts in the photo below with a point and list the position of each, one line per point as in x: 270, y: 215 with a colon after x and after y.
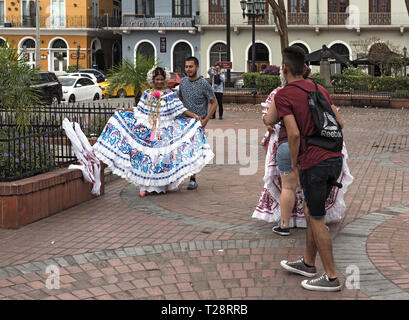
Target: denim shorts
x: 317, y: 183
x: 283, y: 159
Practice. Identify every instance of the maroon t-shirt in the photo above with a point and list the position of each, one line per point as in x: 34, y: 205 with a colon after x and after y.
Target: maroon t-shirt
x: 292, y: 100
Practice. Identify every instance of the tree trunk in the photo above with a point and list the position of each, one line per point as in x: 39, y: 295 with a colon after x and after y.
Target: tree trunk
x: 407, y: 5
x: 280, y: 19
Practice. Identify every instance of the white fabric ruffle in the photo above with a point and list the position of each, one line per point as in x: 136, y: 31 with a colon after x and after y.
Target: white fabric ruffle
x: 178, y: 152
x: 90, y: 165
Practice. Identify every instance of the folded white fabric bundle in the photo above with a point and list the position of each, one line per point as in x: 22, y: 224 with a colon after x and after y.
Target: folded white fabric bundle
x: 90, y: 165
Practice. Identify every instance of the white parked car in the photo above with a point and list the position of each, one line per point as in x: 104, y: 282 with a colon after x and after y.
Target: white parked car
x: 79, y: 89
x: 85, y: 75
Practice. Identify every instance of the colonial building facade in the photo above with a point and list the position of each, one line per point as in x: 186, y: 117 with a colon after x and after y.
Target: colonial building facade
x: 338, y: 24
x: 66, y: 28
x: 171, y: 30
x: 163, y: 29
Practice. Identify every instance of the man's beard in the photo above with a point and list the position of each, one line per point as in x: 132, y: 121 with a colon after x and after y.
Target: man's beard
x: 193, y: 75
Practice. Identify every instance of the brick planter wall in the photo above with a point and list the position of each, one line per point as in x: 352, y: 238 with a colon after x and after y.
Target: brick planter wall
x: 27, y: 200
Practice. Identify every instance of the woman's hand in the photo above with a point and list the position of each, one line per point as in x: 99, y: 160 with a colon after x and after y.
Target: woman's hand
x: 270, y: 128
x: 124, y: 109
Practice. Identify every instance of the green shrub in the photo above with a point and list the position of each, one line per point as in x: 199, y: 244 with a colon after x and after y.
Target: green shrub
x: 249, y: 79
x: 318, y: 79
x: 266, y: 83
x: 363, y: 82
x: 19, y: 156
x: 400, y: 94
x: 370, y: 83
x: 71, y: 69
x: 352, y: 71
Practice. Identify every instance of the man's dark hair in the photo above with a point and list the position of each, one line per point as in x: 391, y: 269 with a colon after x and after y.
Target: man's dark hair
x: 293, y: 58
x: 194, y: 59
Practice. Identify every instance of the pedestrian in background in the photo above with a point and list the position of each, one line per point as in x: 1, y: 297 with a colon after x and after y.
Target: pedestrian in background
x: 217, y: 79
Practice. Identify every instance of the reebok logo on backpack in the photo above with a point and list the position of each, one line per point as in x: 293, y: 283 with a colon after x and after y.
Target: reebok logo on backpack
x: 327, y: 133
x: 330, y: 128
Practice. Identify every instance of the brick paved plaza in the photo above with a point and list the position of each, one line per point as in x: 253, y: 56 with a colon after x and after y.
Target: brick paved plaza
x: 203, y: 244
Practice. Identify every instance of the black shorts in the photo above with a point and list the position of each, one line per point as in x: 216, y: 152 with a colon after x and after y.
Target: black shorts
x: 317, y: 183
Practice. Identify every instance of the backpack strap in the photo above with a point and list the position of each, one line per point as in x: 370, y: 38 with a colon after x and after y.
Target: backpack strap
x: 299, y: 87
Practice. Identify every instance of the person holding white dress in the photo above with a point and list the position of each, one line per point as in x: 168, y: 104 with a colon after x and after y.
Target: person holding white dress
x: 157, y: 144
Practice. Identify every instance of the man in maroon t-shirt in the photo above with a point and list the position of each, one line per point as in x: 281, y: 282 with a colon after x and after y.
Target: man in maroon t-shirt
x: 319, y: 169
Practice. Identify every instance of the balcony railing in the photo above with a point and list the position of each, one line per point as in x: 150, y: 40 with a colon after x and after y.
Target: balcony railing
x: 260, y: 20
x: 132, y: 20
x: 299, y: 18
x: 380, y: 18
x: 337, y: 18
x: 217, y: 18
x: 63, y: 22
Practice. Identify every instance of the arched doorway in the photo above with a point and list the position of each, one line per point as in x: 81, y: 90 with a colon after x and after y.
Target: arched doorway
x: 96, y: 50
x: 145, y: 49
x: 342, y: 50
x: 27, y: 48
x: 218, y: 52
x: 100, y: 60
x: 302, y: 46
x: 181, y: 51
x: 59, y: 56
x: 2, y: 41
x: 116, y: 53
x: 262, y: 59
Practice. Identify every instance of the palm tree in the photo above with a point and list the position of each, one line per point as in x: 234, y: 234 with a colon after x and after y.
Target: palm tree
x: 130, y: 74
x: 16, y: 78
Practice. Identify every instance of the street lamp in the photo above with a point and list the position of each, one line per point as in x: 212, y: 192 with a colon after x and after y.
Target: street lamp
x: 255, y: 9
x: 405, y: 51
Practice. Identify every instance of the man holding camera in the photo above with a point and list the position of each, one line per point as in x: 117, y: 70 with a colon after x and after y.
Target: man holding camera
x: 217, y: 82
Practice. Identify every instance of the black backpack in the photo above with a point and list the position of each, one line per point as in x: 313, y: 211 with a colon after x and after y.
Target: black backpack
x: 328, y: 132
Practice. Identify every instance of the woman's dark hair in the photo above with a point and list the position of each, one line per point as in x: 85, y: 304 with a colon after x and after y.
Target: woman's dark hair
x: 307, y: 73
x: 159, y: 72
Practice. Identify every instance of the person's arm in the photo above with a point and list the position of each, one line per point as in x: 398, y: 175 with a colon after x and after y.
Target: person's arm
x: 338, y: 116
x: 293, y: 134
x: 271, y: 118
x: 192, y: 115
x: 212, y: 110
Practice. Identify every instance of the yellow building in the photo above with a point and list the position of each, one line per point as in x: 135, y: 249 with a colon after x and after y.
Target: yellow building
x: 67, y: 27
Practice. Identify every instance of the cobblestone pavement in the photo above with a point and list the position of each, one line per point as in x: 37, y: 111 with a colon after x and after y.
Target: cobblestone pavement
x: 203, y: 244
